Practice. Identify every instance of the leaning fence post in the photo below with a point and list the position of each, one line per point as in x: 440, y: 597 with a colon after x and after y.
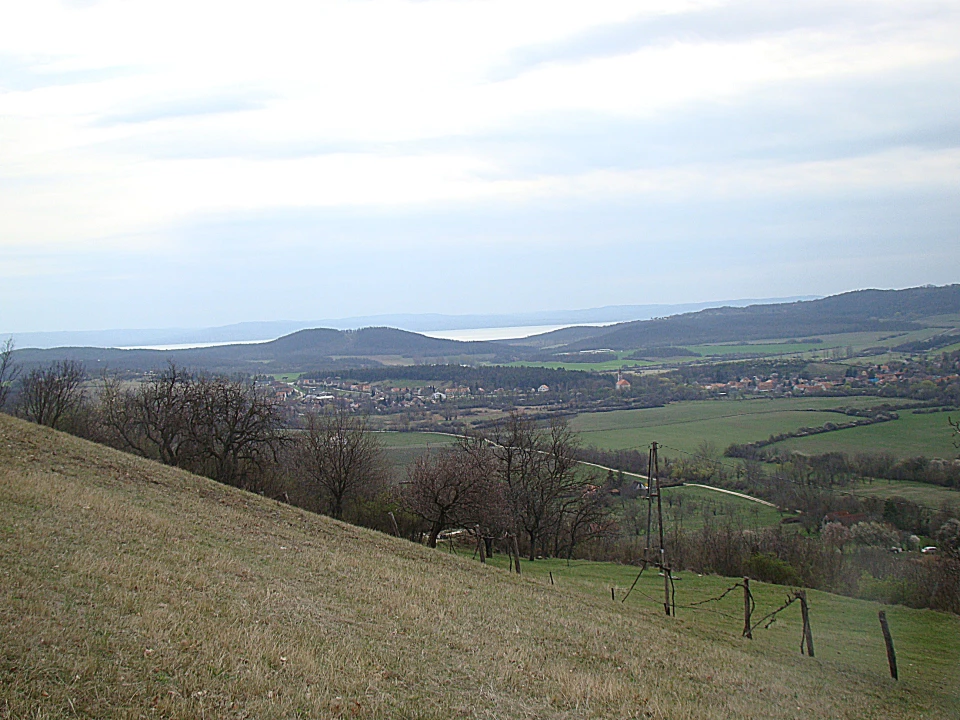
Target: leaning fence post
x: 516, y: 555
x: 891, y: 654
x: 807, y: 631
x: 747, y: 632
x: 393, y: 522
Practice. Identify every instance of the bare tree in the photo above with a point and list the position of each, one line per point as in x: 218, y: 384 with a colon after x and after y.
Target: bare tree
x: 494, y: 518
x: 234, y: 430
x: 582, y: 515
x: 224, y: 428
x: 8, y: 371
x: 537, y: 467
x: 447, y: 489
x: 152, y: 419
x: 48, y: 395
x: 341, y: 459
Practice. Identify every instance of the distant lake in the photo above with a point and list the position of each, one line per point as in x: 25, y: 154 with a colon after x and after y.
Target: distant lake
x: 502, y: 333
x: 191, y: 346
x: 493, y: 333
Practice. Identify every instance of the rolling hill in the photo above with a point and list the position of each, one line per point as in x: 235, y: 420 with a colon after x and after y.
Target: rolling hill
x: 135, y: 590
x: 859, y: 311
x: 316, y: 349
x: 328, y: 349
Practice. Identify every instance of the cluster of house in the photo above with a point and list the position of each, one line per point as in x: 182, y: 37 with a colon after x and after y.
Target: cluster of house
x: 773, y: 384
x: 309, y: 394
x: 883, y: 375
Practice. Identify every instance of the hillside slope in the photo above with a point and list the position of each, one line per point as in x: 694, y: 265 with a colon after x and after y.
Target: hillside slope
x: 859, y: 311
x: 134, y: 590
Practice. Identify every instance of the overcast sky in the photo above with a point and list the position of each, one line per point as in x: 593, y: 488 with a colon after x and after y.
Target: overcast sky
x: 201, y: 163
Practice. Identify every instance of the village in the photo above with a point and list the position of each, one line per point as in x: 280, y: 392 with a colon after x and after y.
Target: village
x: 303, y: 395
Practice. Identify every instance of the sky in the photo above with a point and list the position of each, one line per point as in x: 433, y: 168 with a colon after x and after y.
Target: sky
x: 188, y: 164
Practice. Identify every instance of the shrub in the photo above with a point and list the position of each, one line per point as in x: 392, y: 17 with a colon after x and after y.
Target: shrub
x: 873, y: 534
x: 890, y: 590
x: 767, y: 567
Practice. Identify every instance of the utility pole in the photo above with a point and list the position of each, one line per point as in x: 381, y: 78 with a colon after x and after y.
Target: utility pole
x: 655, y: 556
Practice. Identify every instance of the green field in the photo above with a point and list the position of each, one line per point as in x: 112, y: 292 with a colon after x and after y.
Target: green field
x: 911, y: 435
x: 684, y: 426
x: 403, y: 448
x: 930, y: 496
x: 608, y: 366
x: 691, y: 507
x: 758, y: 348
x: 825, y: 350
x: 421, y: 440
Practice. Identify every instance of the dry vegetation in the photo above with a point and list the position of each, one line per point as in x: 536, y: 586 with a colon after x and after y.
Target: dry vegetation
x: 130, y: 590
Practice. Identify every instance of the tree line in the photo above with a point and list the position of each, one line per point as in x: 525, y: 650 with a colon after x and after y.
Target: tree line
x: 520, y: 480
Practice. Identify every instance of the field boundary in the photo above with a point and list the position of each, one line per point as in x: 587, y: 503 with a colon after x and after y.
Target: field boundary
x: 732, y: 492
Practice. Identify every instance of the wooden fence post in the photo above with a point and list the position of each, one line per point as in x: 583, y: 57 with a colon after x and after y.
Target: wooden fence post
x: 747, y: 632
x: 666, y: 589
x: 891, y: 654
x: 481, y: 546
x: 393, y: 522
x: 807, y: 630
x: 516, y: 555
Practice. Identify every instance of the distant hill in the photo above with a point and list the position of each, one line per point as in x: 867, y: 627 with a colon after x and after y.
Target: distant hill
x: 132, y: 589
x: 858, y: 311
x: 304, y: 350
x: 561, y: 337
x: 262, y: 331
x: 325, y: 349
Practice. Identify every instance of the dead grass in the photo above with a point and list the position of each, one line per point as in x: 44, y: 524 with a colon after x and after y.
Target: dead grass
x: 130, y: 590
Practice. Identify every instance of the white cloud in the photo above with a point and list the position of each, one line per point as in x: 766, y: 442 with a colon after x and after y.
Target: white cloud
x: 388, y: 104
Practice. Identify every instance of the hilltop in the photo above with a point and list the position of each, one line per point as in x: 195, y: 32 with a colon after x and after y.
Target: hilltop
x: 858, y: 311
x: 132, y: 589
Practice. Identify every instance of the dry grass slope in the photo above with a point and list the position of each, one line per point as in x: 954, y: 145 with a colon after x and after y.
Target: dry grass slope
x: 131, y: 590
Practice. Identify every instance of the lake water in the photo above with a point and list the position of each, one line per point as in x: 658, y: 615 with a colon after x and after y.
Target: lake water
x: 191, y: 346
x: 497, y: 333
x: 494, y: 333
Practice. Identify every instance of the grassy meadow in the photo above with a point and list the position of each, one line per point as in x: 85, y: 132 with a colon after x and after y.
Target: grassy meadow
x: 930, y: 496
x: 134, y: 590
x: 401, y: 449
x: 605, y: 366
x: 911, y: 435
x: 830, y: 347
x: 682, y: 427
x: 690, y: 507
x: 846, y: 631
